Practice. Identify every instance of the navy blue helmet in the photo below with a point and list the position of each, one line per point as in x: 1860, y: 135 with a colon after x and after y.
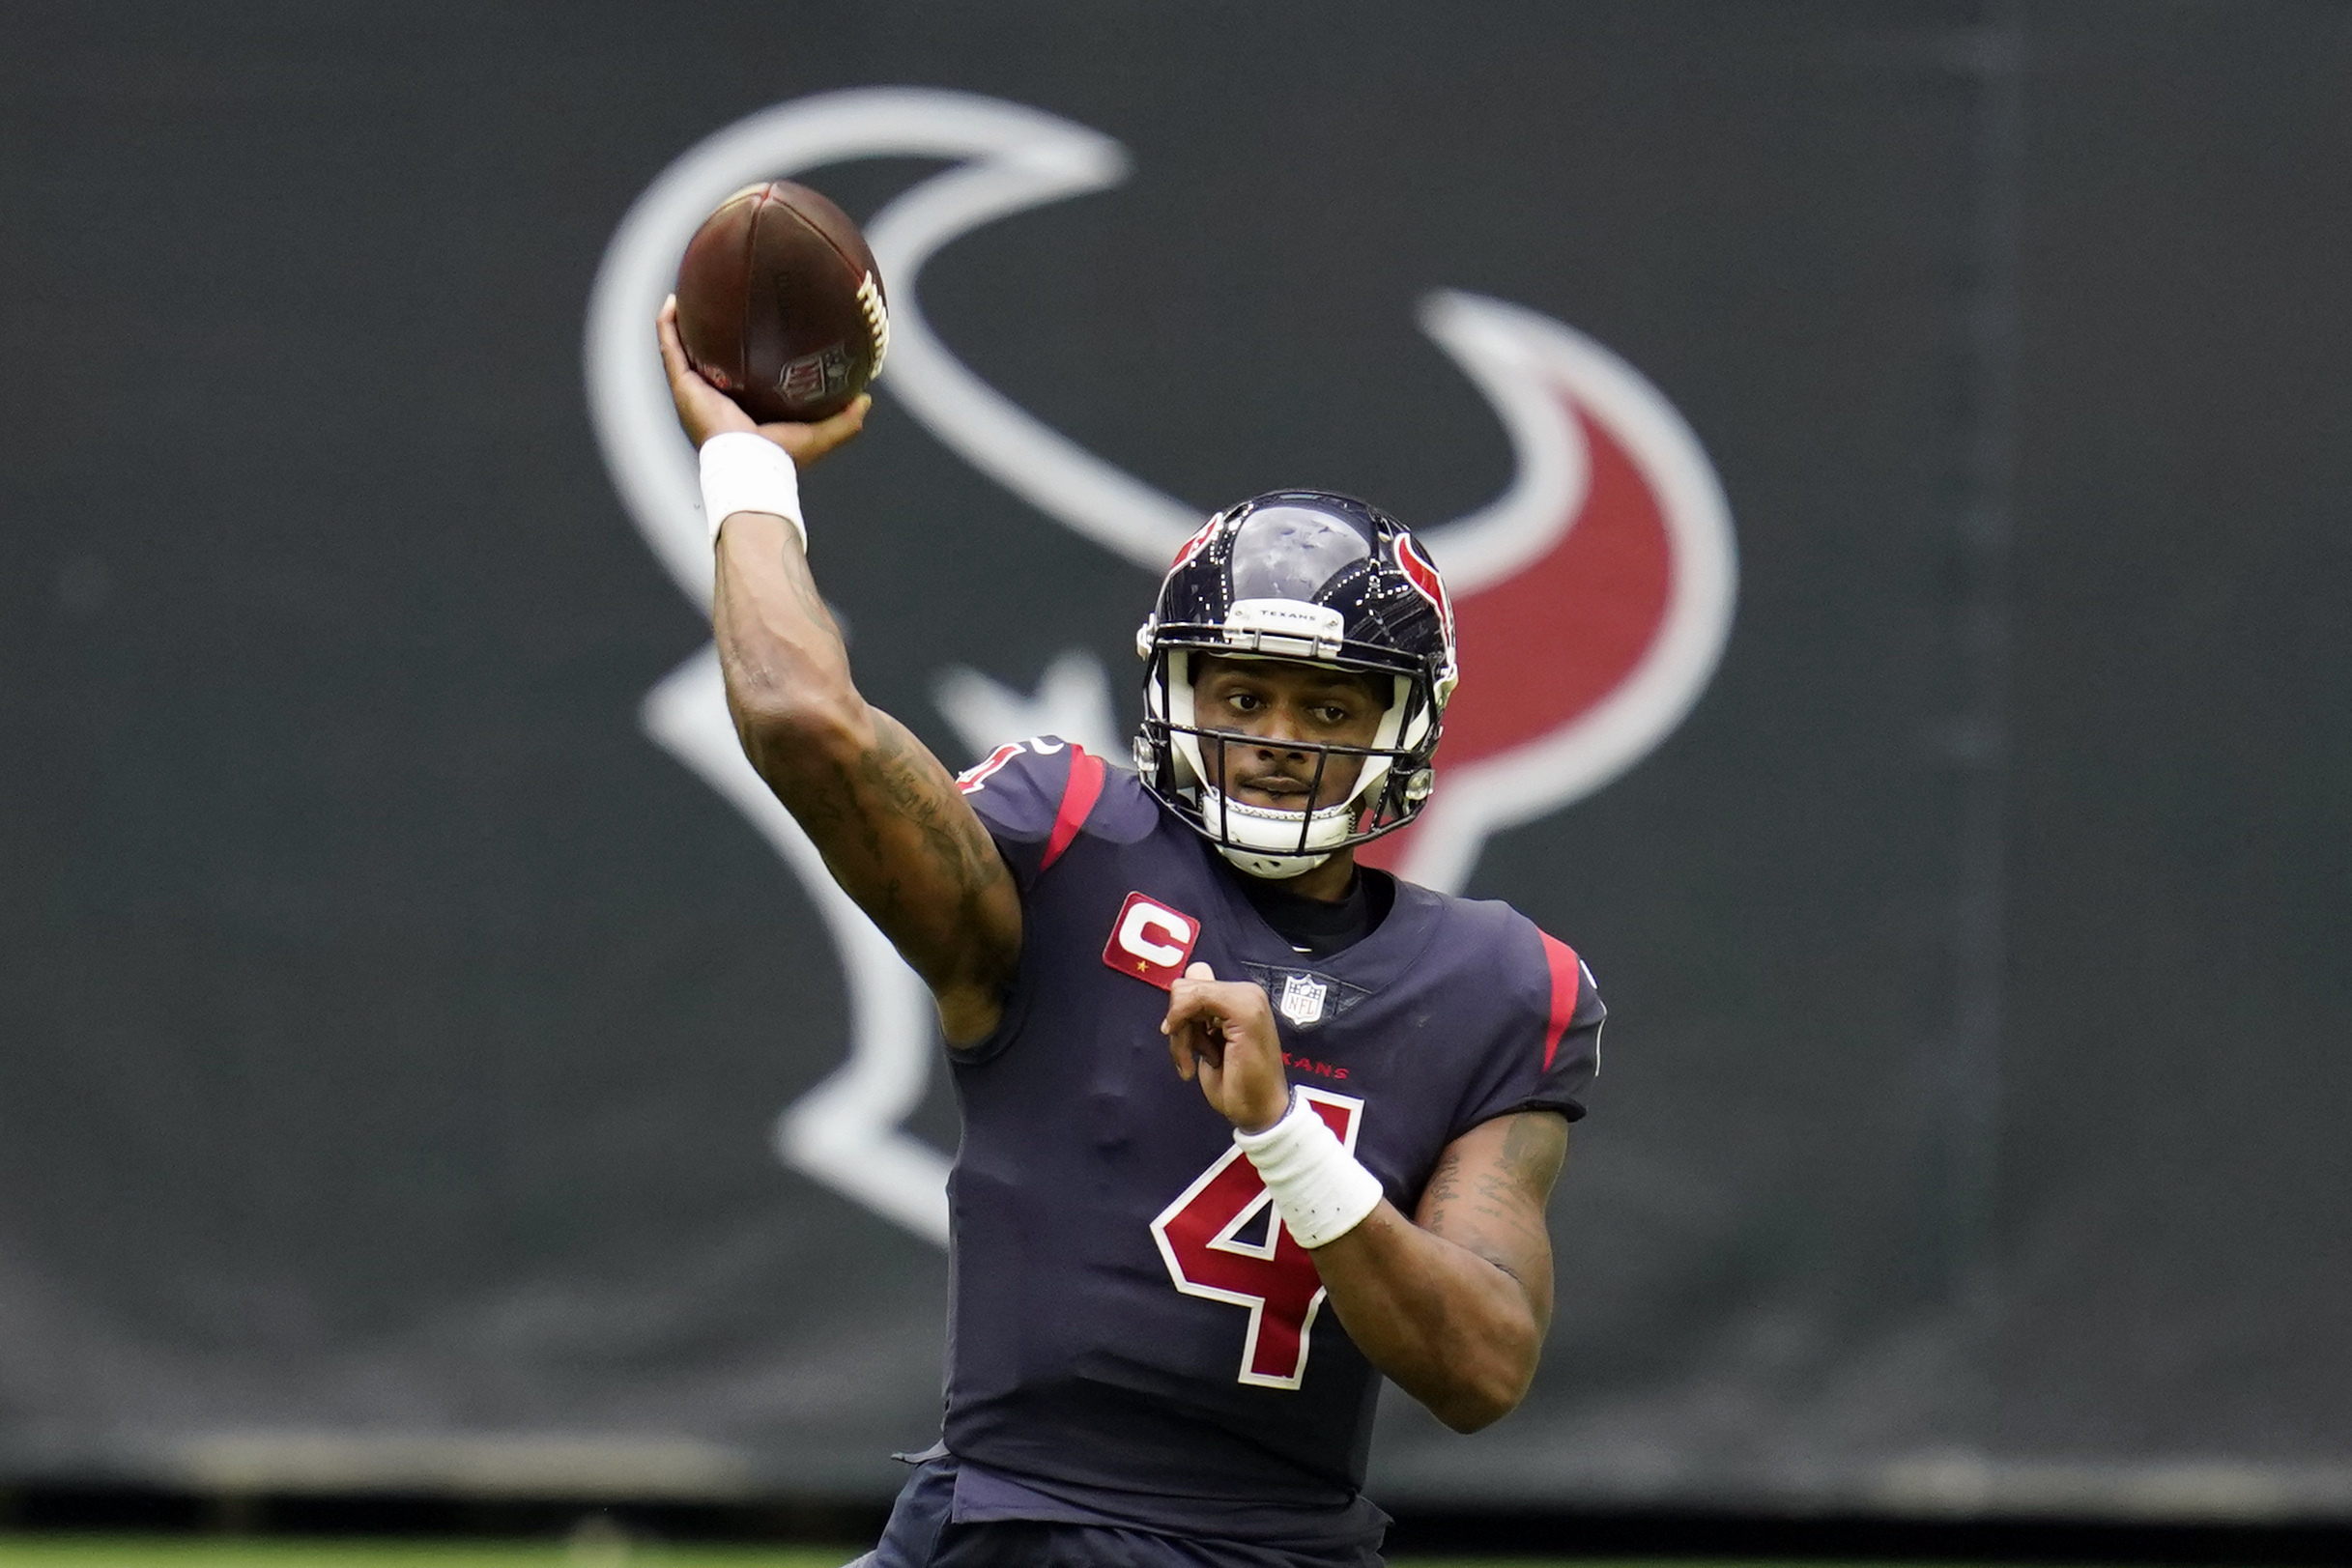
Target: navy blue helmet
x: 1314, y: 578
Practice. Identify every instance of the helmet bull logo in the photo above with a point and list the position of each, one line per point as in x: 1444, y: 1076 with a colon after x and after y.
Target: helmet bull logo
x: 1590, y: 599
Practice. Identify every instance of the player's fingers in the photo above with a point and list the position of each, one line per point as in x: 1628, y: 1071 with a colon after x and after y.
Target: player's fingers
x: 824, y: 435
x: 1200, y: 1019
x: 1237, y: 998
x: 1250, y: 1002
x: 1213, y: 1081
x: 1179, y: 1051
x: 809, y: 443
x: 696, y: 398
x: 1195, y: 1049
x: 665, y: 335
x: 1236, y: 1005
x: 1185, y: 1002
x: 1201, y: 984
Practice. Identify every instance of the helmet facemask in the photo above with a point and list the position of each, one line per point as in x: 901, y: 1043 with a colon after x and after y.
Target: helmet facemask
x: 1180, y: 758
x: 1302, y: 577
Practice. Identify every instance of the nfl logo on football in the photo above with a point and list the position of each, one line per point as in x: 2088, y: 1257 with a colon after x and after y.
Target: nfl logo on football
x: 815, y: 376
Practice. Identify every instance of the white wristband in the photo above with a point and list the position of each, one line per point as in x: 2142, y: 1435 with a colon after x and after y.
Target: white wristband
x: 746, y: 472
x: 1320, y: 1190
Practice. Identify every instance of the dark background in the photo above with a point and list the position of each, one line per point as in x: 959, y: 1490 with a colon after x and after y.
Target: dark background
x: 390, y: 1034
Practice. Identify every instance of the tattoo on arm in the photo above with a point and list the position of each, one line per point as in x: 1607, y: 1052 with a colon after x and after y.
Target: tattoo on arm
x: 1496, y: 1208
x: 919, y: 789
x: 903, y: 783
x: 884, y: 812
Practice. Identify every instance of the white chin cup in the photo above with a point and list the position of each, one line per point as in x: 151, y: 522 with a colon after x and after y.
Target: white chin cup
x: 1264, y: 841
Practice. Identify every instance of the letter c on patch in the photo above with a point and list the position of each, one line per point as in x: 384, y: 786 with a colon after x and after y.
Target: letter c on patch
x: 1151, y: 941
x: 1143, y: 919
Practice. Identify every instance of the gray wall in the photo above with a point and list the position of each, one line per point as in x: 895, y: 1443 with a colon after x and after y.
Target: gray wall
x: 393, y: 1033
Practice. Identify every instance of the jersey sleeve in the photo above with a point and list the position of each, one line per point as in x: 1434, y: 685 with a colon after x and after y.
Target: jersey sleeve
x: 1548, y: 1059
x: 1034, y: 796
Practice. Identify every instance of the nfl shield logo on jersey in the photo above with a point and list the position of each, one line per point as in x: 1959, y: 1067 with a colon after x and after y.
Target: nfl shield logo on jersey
x: 1301, y: 1000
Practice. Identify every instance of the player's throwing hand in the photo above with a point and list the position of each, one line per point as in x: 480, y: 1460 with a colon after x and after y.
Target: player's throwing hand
x: 706, y: 412
x: 1221, y: 1032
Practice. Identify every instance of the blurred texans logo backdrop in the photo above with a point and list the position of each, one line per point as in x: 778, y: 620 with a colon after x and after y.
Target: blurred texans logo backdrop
x: 1592, y: 597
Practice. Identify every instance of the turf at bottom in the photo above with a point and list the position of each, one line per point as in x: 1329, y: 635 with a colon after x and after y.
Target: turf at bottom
x: 151, y: 1552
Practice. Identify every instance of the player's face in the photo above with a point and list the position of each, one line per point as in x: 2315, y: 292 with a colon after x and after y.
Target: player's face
x: 1271, y: 702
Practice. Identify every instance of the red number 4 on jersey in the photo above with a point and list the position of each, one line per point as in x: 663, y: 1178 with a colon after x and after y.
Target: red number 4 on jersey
x: 1275, y: 1280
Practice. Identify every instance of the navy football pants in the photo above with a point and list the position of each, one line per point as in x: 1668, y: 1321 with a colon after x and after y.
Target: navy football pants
x: 921, y: 1535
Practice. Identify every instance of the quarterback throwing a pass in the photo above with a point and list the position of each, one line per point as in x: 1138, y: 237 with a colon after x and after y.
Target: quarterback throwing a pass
x: 1246, y: 1126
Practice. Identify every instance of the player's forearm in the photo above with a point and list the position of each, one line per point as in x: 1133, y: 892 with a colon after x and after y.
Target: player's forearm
x: 1445, y: 1325
x: 786, y: 669
x: 881, y: 810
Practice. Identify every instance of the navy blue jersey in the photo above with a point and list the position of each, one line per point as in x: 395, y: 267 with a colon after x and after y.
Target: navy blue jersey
x: 1131, y: 1327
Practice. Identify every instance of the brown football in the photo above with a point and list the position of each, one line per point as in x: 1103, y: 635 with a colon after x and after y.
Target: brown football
x: 779, y: 304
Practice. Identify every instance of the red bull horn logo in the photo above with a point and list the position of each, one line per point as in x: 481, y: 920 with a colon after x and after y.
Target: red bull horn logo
x: 1590, y: 599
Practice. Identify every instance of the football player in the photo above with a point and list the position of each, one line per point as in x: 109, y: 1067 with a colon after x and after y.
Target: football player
x: 1246, y: 1126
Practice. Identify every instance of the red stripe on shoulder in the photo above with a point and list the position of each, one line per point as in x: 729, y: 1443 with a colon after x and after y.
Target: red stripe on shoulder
x: 1567, y: 980
x: 1079, y: 792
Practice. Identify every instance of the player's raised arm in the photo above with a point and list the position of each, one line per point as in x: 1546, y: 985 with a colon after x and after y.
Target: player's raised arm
x: 885, y: 813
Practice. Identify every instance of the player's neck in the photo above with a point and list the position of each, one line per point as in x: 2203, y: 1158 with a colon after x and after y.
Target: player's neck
x: 1327, y: 883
